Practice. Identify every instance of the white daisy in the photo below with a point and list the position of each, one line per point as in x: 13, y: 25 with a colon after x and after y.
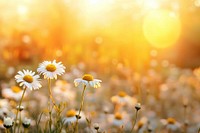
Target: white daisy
x: 71, y: 116
x: 88, y: 80
x: 28, y: 79
x: 123, y: 99
x: 171, y: 124
x: 13, y: 92
x: 50, y: 69
x: 118, y: 119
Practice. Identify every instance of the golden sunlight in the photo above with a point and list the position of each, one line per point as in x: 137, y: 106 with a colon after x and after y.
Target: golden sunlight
x: 161, y: 28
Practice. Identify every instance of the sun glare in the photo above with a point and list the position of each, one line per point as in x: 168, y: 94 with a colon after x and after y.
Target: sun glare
x: 161, y: 28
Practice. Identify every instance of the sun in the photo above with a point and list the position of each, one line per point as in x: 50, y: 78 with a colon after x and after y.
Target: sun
x: 161, y: 28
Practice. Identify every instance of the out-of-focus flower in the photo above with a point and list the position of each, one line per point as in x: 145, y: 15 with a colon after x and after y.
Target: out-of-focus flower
x: 141, y: 125
x: 7, y: 122
x: 62, y: 91
x: 118, y: 119
x: 50, y: 69
x: 171, y: 124
x: 123, y: 98
x: 28, y: 79
x: 12, y: 93
x: 26, y: 122
x: 71, y: 116
x: 87, y: 80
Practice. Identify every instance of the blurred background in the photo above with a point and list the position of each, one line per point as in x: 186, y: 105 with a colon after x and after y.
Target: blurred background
x: 149, y: 49
x: 100, y: 33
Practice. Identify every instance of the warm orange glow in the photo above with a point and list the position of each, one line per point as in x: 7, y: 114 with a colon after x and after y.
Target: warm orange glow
x: 161, y: 28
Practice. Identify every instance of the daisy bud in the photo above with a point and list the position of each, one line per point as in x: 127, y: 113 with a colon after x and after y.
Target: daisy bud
x: 106, y: 110
x: 7, y: 122
x: 26, y: 123
x: 186, y: 122
x: 20, y: 108
x: 138, y: 106
x: 150, y: 129
x: 78, y: 117
x: 96, y: 126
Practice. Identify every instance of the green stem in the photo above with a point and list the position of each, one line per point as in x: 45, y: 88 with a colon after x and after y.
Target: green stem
x: 134, y: 122
x: 19, y: 108
x: 82, y: 102
x: 51, y: 95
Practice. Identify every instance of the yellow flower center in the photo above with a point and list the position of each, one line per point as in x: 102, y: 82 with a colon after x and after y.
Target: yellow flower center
x: 93, y: 113
x: 171, y: 121
x: 140, y: 124
x: 15, y: 89
x: 118, y: 116
x: 87, y: 77
x: 71, y: 113
x: 1, y: 122
x: 28, y: 78
x: 122, y: 94
x: 51, y: 67
x: 62, y: 89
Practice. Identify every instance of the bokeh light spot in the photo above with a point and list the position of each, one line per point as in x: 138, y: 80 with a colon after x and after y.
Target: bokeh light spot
x: 161, y: 28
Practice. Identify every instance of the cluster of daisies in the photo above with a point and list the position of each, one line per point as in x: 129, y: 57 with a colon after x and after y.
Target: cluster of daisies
x: 28, y: 79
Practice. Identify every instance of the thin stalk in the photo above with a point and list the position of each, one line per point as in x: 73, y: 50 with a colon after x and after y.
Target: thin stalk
x: 185, y: 124
x: 50, y: 98
x: 7, y: 130
x: 20, y: 121
x: 82, y: 102
x: 19, y: 107
x: 25, y: 130
x: 51, y: 95
x: 134, y: 122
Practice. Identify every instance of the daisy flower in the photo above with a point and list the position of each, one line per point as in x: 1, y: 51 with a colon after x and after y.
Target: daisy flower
x: 71, y: 116
x: 28, y: 79
x: 88, y: 80
x: 50, y: 69
x: 171, y: 124
x: 13, y: 92
x: 118, y: 119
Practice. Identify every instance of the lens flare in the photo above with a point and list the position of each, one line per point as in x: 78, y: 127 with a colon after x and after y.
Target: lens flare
x: 161, y: 28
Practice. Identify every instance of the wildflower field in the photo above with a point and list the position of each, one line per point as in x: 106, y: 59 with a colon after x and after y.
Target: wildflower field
x: 99, y: 66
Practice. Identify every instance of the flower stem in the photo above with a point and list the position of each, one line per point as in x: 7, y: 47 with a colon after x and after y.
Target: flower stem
x: 50, y: 98
x: 19, y: 122
x: 50, y: 94
x: 19, y: 107
x: 134, y: 122
x: 82, y: 102
x: 7, y: 130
